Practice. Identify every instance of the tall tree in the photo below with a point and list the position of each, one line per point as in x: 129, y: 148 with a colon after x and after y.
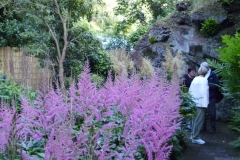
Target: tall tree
x: 50, y: 14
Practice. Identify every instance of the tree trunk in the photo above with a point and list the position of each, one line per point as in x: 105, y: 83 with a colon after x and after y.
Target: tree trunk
x: 61, y: 75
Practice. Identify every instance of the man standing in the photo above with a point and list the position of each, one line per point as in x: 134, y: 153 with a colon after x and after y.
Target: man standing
x: 213, y: 84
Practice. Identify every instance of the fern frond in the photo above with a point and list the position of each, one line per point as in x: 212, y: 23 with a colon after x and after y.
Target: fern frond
x: 216, y: 65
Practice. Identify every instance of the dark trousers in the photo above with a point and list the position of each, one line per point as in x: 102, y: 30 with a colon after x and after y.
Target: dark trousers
x: 211, y: 110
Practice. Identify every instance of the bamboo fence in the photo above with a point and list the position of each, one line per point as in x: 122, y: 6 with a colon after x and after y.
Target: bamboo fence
x: 23, y: 69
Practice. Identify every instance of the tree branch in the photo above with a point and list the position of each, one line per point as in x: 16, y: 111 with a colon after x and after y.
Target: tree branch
x: 54, y: 38
x: 65, y: 31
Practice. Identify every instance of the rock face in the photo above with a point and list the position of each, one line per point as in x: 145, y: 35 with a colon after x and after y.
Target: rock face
x: 181, y: 32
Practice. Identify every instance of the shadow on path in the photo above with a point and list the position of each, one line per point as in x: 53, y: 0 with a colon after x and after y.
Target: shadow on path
x: 217, y: 145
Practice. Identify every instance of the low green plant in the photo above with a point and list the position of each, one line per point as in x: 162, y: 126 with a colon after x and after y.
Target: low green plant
x: 102, y: 65
x: 98, y: 79
x: 210, y: 27
x: 152, y: 39
x: 187, y: 108
x: 235, y: 125
x: 11, y: 92
x: 179, y: 143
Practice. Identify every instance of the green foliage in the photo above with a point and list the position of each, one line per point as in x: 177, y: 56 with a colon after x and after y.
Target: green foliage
x: 56, y: 34
x: 85, y: 47
x: 188, y: 106
x: 228, y: 69
x: 235, y: 125
x: 138, y: 34
x: 103, y: 64
x: 11, y: 92
x: 210, y: 27
x: 117, y: 137
x: 179, y: 142
x: 99, y: 80
x: 229, y: 65
x: 152, y: 39
x: 27, y: 25
x: 141, y: 11
x: 14, y: 32
x: 35, y: 149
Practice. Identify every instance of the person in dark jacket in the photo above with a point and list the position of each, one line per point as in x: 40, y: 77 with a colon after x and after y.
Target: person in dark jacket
x: 187, y: 78
x: 213, y: 83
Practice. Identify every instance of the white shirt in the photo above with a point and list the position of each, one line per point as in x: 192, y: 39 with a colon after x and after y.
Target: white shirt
x: 199, y: 90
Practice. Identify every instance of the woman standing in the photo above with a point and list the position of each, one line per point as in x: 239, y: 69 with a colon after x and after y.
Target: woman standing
x: 199, y: 91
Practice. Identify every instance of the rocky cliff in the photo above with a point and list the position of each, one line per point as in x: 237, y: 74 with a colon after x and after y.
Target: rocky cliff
x: 181, y: 32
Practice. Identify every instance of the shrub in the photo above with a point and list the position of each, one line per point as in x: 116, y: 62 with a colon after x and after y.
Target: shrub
x: 235, y: 125
x: 10, y: 92
x: 98, y: 80
x: 228, y: 66
x: 125, y: 119
x: 210, y: 27
x: 187, y: 108
x: 228, y: 69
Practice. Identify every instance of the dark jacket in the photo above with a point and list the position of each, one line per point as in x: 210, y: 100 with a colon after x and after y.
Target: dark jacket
x: 187, y: 80
x: 213, y: 83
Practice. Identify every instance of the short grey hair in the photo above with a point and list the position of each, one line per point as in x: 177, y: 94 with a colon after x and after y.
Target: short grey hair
x: 204, y: 64
x: 202, y: 70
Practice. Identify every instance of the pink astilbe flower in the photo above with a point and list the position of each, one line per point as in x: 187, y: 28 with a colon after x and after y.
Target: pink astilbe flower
x: 24, y: 156
x: 145, y: 111
x: 6, y: 124
x: 127, y: 92
x: 108, y: 94
x: 38, y: 120
x: 93, y: 106
x: 149, y: 106
x: 84, y: 97
x: 154, y: 120
x: 60, y: 145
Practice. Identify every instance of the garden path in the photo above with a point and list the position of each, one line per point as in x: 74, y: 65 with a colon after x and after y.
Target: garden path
x: 217, y: 145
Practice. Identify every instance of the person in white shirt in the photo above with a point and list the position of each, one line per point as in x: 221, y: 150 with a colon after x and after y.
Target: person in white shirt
x: 213, y: 83
x: 199, y: 90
